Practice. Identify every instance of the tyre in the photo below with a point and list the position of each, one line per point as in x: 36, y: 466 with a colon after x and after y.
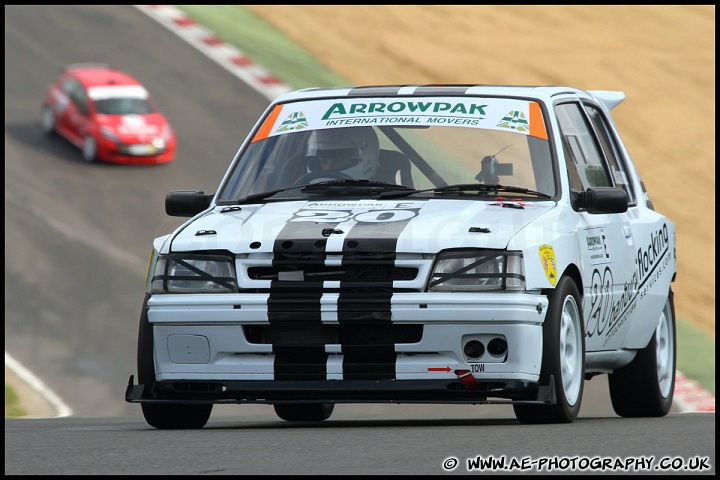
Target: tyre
x: 170, y: 416
x: 304, y: 412
x: 89, y: 149
x: 48, y: 121
x: 563, y: 361
x: 164, y: 416
x: 644, y: 387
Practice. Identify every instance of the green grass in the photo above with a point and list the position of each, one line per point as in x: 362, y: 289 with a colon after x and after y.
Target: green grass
x: 12, y: 404
x: 696, y: 354
x: 266, y: 46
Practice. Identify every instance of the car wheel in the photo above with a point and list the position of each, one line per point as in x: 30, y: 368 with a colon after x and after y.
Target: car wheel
x: 48, y: 120
x: 170, y: 416
x: 304, y: 412
x: 563, y: 361
x: 644, y: 387
x: 90, y: 149
x: 164, y: 416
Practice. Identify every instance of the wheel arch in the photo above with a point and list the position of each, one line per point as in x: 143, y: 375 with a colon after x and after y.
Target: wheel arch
x: 573, y: 272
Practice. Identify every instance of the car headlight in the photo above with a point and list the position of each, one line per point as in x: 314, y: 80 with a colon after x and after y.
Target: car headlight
x: 183, y: 273
x: 158, y: 143
x: 478, y: 270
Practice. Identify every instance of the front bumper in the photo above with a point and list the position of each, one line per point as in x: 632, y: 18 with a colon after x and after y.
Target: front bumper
x: 224, y: 348
x: 458, y: 391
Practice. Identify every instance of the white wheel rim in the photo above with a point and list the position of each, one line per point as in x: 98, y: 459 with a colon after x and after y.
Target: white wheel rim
x: 47, y: 120
x: 89, y: 149
x: 571, y: 350
x: 664, y: 350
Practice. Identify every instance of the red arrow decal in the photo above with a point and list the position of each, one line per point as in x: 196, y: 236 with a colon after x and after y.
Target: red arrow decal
x: 440, y: 369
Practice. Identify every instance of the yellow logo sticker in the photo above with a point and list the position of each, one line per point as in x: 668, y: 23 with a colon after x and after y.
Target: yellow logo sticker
x: 547, y: 257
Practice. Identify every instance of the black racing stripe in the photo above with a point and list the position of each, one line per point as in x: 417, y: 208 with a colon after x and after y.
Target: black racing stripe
x: 442, y: 90
x: 295, y: 306
x: 378, y: 91
x: 366, y: 357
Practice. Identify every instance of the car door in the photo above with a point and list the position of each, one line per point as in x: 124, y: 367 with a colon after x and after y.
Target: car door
x: 653, y: 235
x: 605, y: 240
x: 76, y: 116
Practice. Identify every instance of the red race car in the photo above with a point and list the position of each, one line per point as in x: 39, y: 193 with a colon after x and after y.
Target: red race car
x: 109, y: 115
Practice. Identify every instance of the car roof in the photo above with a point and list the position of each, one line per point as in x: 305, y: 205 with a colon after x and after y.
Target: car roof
x: 98, y: 74
x: 609, y: 98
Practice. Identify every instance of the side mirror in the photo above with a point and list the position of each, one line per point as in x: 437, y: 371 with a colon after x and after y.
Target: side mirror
x: 186, y: 203
x: 602, y: 200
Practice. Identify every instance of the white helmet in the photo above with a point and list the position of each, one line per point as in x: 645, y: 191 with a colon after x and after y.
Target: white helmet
x: 353, y: 151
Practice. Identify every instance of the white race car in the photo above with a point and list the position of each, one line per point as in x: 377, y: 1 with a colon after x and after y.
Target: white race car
x: 414, y: 244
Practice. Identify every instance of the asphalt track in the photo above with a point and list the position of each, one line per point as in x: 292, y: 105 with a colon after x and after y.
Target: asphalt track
x: 77, y: 241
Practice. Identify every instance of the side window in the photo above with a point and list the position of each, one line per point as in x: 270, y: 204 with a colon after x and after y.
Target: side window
x: 576, y: 184
x: 80, y: 98
x: 583, y: 154
x: 77, y: 95
x: 612, y: 152
x: 68, y: 85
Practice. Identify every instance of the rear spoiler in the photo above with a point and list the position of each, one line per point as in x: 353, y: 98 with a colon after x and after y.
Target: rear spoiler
x: 609, y: 98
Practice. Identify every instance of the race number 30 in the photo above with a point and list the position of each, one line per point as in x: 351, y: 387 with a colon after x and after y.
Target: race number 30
x: 336, y: 216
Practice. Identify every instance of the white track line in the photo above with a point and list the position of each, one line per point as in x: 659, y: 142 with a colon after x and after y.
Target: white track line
x: 61, y: 409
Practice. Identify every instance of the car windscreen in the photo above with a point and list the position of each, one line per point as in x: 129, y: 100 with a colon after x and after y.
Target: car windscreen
x: 412, y: 142
x: 123, y: 106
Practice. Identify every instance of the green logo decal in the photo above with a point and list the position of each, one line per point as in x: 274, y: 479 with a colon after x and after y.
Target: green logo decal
x: 429, y: 108
x: 514, y: 120
x: 295, y: 121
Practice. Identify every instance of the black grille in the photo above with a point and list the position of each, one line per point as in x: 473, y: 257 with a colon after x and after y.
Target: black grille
x: 308, y: 335
x: 352, y: 273
x: 356, y: 267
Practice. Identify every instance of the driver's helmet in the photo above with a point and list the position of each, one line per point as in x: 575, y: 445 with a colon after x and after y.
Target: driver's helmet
x: 353, y: 151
